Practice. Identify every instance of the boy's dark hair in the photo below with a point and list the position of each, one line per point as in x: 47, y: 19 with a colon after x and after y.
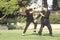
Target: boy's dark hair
x: 26, y: 5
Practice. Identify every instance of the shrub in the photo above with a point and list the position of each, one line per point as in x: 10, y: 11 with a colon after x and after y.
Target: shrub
x: 11, y: 27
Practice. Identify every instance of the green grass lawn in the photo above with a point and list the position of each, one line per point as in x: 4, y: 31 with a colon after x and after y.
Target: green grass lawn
x: 30, y: 35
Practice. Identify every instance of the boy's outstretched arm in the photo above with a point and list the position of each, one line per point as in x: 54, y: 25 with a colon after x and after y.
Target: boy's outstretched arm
x: 32, y: 10
x: 42, y: 14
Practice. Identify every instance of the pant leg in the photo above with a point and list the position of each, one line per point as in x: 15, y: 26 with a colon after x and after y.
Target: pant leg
x: 27, y: 25
x: 35, y: 25
x: 49, y: 28
x: 41, y: 28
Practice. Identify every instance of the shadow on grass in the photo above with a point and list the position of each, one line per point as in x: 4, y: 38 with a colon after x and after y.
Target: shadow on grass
x: 36, y: 34
x: 32, y: 34
x: 54, y: 35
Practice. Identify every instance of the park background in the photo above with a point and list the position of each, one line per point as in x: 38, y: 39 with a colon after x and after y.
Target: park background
x: 9, y: 15
x: 12, y: 25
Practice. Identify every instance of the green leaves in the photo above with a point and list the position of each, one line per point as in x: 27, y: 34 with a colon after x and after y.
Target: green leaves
x: 11, y: 6
x: 8, y: 7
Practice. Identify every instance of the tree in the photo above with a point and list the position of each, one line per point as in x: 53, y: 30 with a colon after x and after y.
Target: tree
x: 55, y: 4
x: 8, y: 6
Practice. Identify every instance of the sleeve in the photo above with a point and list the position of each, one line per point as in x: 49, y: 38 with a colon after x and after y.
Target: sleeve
x: 47, y: 14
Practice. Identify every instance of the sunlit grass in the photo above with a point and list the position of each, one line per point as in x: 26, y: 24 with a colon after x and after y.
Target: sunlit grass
x: 30, y: 35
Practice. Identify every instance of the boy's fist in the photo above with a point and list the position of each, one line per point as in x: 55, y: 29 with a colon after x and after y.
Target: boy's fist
x: 35, y: 20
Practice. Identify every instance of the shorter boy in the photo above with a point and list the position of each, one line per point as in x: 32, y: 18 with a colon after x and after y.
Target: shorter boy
x: 45, y: 21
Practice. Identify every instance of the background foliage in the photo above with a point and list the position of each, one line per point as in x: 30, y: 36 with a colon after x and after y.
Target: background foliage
x: 11, y: 7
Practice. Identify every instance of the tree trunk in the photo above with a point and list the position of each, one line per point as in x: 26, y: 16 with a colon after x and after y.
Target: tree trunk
x: 3, y: 17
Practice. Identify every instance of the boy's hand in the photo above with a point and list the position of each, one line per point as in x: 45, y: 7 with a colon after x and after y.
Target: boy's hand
x: 31, y: 12
x: 35, y: 20
x: 42, y: 14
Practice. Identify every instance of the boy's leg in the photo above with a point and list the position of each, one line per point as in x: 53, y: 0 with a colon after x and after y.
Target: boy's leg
x: 50, y: 29
x: 27, y: 25
x: 35, y: 26
x: 41, y: 28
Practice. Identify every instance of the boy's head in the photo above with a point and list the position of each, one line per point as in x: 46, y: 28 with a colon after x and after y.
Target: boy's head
x: 27, y: 6
x: 45, y: 8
